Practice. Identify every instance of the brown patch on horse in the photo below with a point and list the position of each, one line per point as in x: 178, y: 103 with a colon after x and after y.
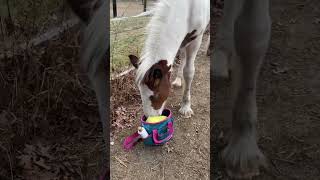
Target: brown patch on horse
x: 188, y: 38
x: 157, y: 79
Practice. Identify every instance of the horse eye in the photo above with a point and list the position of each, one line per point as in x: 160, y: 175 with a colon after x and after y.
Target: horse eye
x: 154, y: 97
x: 157, y: 74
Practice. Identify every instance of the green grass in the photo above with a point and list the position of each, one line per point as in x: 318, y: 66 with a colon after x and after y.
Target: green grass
x: 127, y: 37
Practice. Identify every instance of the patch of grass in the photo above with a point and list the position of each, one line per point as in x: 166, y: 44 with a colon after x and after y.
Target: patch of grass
x: 127, y: 37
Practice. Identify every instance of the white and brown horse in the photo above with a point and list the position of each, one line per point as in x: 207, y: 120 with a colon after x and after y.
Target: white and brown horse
x: 175, y: 25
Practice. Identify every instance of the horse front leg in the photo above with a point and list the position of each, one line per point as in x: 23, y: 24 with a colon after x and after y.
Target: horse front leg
x: 99, y: 84
x: 242, y: 155
x: 94, y: 59
x: 188, y: 73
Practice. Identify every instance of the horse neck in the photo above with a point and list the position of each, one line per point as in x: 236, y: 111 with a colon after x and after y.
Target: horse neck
x: 165, y: 32
x: 164, y: 49
x: 164, y: 40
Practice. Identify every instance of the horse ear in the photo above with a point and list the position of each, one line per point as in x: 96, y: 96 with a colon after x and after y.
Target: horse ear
x: 157, y: 74
x: 163, y: 65
x: 134, y: 60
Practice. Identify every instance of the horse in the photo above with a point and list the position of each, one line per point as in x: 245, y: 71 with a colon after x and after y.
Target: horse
x: 241, y: 44
x: 94, y: 53
x: 175, y: 25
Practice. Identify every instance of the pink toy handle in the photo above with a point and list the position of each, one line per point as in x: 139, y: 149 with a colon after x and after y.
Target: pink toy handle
x: 156, y: 135
x: 130, y: 141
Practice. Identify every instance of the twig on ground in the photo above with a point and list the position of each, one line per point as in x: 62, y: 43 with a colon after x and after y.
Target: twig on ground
x: 284, y: 160
x: 163, y: 170
x: 121, y: 162
x: 299, y: 140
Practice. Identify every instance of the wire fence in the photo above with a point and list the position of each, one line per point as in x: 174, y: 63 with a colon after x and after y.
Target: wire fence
x: 124, y: 8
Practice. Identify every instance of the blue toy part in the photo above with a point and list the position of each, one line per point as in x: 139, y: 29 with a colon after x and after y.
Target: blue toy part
x: 161, y: 132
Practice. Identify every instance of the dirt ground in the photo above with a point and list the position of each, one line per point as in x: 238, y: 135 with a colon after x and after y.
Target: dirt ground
x: 288, y: 96
x: 186, y: 156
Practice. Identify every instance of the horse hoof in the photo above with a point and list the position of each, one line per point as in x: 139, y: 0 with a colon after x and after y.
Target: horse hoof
x: 186, y: 111
x: 177, y: 82
x: 242, y: 158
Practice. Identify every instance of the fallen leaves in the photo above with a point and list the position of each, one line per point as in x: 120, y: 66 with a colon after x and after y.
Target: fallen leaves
x: 37, y: 160
x: 124, y: 118
x: 125, y: 103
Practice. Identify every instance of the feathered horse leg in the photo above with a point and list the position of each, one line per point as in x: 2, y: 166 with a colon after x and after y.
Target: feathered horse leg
x: 94, y: 58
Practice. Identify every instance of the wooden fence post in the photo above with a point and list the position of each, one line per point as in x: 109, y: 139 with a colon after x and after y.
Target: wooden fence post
x: 114, y: 4
x: 145, y: 6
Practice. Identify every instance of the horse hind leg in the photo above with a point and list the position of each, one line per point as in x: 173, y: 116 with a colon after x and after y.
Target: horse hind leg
x: 178, y: 81
x: 186, y: 41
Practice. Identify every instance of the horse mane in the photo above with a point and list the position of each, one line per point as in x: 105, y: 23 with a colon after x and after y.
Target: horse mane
x: 153, y: 32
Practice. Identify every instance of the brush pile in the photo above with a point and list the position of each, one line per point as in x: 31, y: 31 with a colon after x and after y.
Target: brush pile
x: 124, y: 102
x: 49, y: 123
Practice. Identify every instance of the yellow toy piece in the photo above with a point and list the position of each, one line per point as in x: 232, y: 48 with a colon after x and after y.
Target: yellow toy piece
x: 155, y: 119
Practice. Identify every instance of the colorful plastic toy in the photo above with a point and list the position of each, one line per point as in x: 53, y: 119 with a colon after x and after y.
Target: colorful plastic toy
x: 153, y: 131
